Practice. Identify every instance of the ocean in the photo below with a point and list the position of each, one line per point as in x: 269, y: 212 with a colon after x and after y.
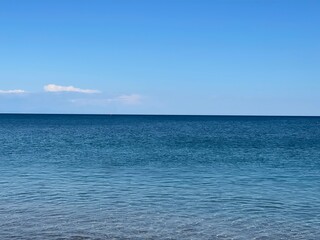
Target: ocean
x: 159, y: 177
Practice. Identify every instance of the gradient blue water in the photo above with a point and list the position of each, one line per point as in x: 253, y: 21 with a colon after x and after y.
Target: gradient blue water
x: 159, y: 177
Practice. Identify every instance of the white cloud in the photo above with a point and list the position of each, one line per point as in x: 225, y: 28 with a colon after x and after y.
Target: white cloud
x: 57, y: 88
x: 131, y: 99
x: 15, y: 91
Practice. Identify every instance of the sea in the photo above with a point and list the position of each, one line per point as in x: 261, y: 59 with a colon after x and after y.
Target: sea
x: 159, y: 177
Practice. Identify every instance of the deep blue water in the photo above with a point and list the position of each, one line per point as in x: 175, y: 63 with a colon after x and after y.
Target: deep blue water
x: 159, y: 177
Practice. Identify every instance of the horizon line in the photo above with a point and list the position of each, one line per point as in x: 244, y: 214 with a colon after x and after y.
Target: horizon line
x: 156, y: 114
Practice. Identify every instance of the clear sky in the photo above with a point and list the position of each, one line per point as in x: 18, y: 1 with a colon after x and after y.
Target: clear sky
x: 258, y: 57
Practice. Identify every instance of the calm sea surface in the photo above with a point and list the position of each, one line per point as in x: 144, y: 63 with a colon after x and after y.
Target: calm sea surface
x: 159, y: 177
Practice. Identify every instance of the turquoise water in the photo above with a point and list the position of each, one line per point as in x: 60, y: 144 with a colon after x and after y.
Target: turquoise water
x: 159, y: 177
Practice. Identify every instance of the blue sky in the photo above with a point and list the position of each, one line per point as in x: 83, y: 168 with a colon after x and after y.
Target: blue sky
x: 259, y: 57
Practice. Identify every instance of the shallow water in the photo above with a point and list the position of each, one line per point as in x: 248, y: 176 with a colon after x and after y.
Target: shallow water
x: 159, y: 177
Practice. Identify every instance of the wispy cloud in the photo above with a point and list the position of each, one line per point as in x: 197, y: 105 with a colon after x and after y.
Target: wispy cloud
x: 130, y: 99
x: 57, y: 88
x: 15, y: 91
